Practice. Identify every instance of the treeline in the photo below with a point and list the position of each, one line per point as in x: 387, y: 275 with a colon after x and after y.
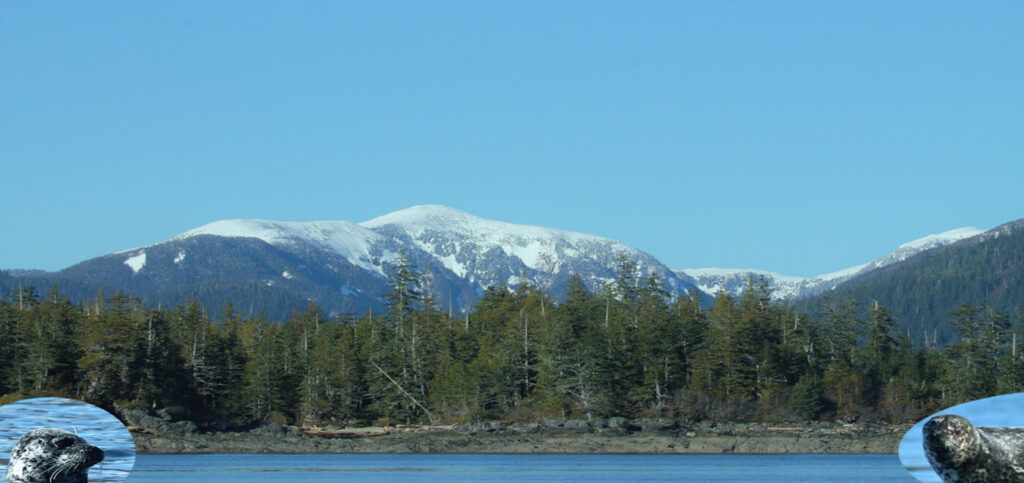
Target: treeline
x: 627, y: 350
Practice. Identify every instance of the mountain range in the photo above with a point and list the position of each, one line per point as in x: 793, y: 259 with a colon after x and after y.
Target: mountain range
x: 274, y: 267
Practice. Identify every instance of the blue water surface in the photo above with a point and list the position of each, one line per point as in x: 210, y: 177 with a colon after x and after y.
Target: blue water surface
x: 507, y: 467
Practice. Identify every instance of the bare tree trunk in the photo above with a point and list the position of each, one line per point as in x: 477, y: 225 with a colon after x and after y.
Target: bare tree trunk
x: 406, y: 394
x: 526, y: 355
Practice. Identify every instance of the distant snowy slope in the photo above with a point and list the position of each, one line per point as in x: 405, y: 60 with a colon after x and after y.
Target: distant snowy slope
x: 448, y: 232
x: 912, y: 248
x: 733, y: 281
x: 341, y: 237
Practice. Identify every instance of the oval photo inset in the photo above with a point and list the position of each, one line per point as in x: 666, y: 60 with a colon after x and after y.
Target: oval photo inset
x: 958, y: 429
x: 61, y: 440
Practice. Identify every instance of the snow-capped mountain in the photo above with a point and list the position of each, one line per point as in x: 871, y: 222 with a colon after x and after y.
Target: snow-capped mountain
x: 343, y: 266
x: 490, y: 253
x: 734, y: 280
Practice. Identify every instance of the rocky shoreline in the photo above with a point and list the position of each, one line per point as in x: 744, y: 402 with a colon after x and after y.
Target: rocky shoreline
x: 156, y: 434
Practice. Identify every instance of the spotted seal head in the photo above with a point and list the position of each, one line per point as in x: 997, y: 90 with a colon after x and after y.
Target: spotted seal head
x: 961, y: 452
x: 52, y: 456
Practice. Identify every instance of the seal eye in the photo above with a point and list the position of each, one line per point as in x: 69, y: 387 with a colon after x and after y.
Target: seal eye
x: 63, y: 443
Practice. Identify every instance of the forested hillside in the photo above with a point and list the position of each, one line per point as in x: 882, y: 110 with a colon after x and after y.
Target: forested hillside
x: 626, y: 350
x: 924, y: 289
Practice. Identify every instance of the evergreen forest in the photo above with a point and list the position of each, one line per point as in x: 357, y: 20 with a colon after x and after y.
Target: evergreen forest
x: 626, y: 349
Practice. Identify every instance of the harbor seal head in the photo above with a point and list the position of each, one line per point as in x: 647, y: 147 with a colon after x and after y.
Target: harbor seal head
x: 961, y: 452
x: 52, y: 456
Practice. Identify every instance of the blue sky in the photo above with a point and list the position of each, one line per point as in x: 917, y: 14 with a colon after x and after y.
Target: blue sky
x: 792, y: 136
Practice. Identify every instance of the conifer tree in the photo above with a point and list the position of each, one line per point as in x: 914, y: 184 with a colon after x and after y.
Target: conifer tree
x: 451, y: 384
x: 660, y: 344
x: 230, y: 360
x: 9, y: 321
x: 1011, y: 365
x: 264, y: 381
x: 301, y: 332
x: 573, y: 367
x: 973, y: 363
x: 112, y: 346
x: 197, y: 341
x: 807, y: 399
x: 45, y: 342
x: 164, y: 378
x: 694, y: 327
x: 707, y: 366
x: 759, y: 324
x: 881, y: 350
x: 395, y: 344
x: 497, y: 372
x: 841, y: 331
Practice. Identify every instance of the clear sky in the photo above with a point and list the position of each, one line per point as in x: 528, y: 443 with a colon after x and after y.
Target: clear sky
x: 795, y: 136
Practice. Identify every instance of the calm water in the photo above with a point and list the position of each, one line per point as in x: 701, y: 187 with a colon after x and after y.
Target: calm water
x: 97, y: 426
x: 591, y: 468
x: 103, y: 430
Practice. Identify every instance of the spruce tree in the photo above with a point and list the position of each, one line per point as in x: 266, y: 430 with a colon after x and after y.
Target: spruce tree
x: 880, y: 351
x: 807, y: 399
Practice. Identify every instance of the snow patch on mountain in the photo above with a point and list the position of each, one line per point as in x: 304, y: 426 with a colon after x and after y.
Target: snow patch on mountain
x: 711, y: 272
x: 452, y: 264
x: 943, y: 238
x: 530, y: 241
x: 347, y: 290
x: 734, y: 281
x: 136, y: 262
x: 344, y: 238
x: 180, y: 258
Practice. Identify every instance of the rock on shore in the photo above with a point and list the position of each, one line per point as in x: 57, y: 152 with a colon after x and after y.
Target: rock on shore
x: 615, y: 435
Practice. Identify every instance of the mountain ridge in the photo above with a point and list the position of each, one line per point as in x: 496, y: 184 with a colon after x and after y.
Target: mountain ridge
x: 983, y: 270
x: 733, y: 281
